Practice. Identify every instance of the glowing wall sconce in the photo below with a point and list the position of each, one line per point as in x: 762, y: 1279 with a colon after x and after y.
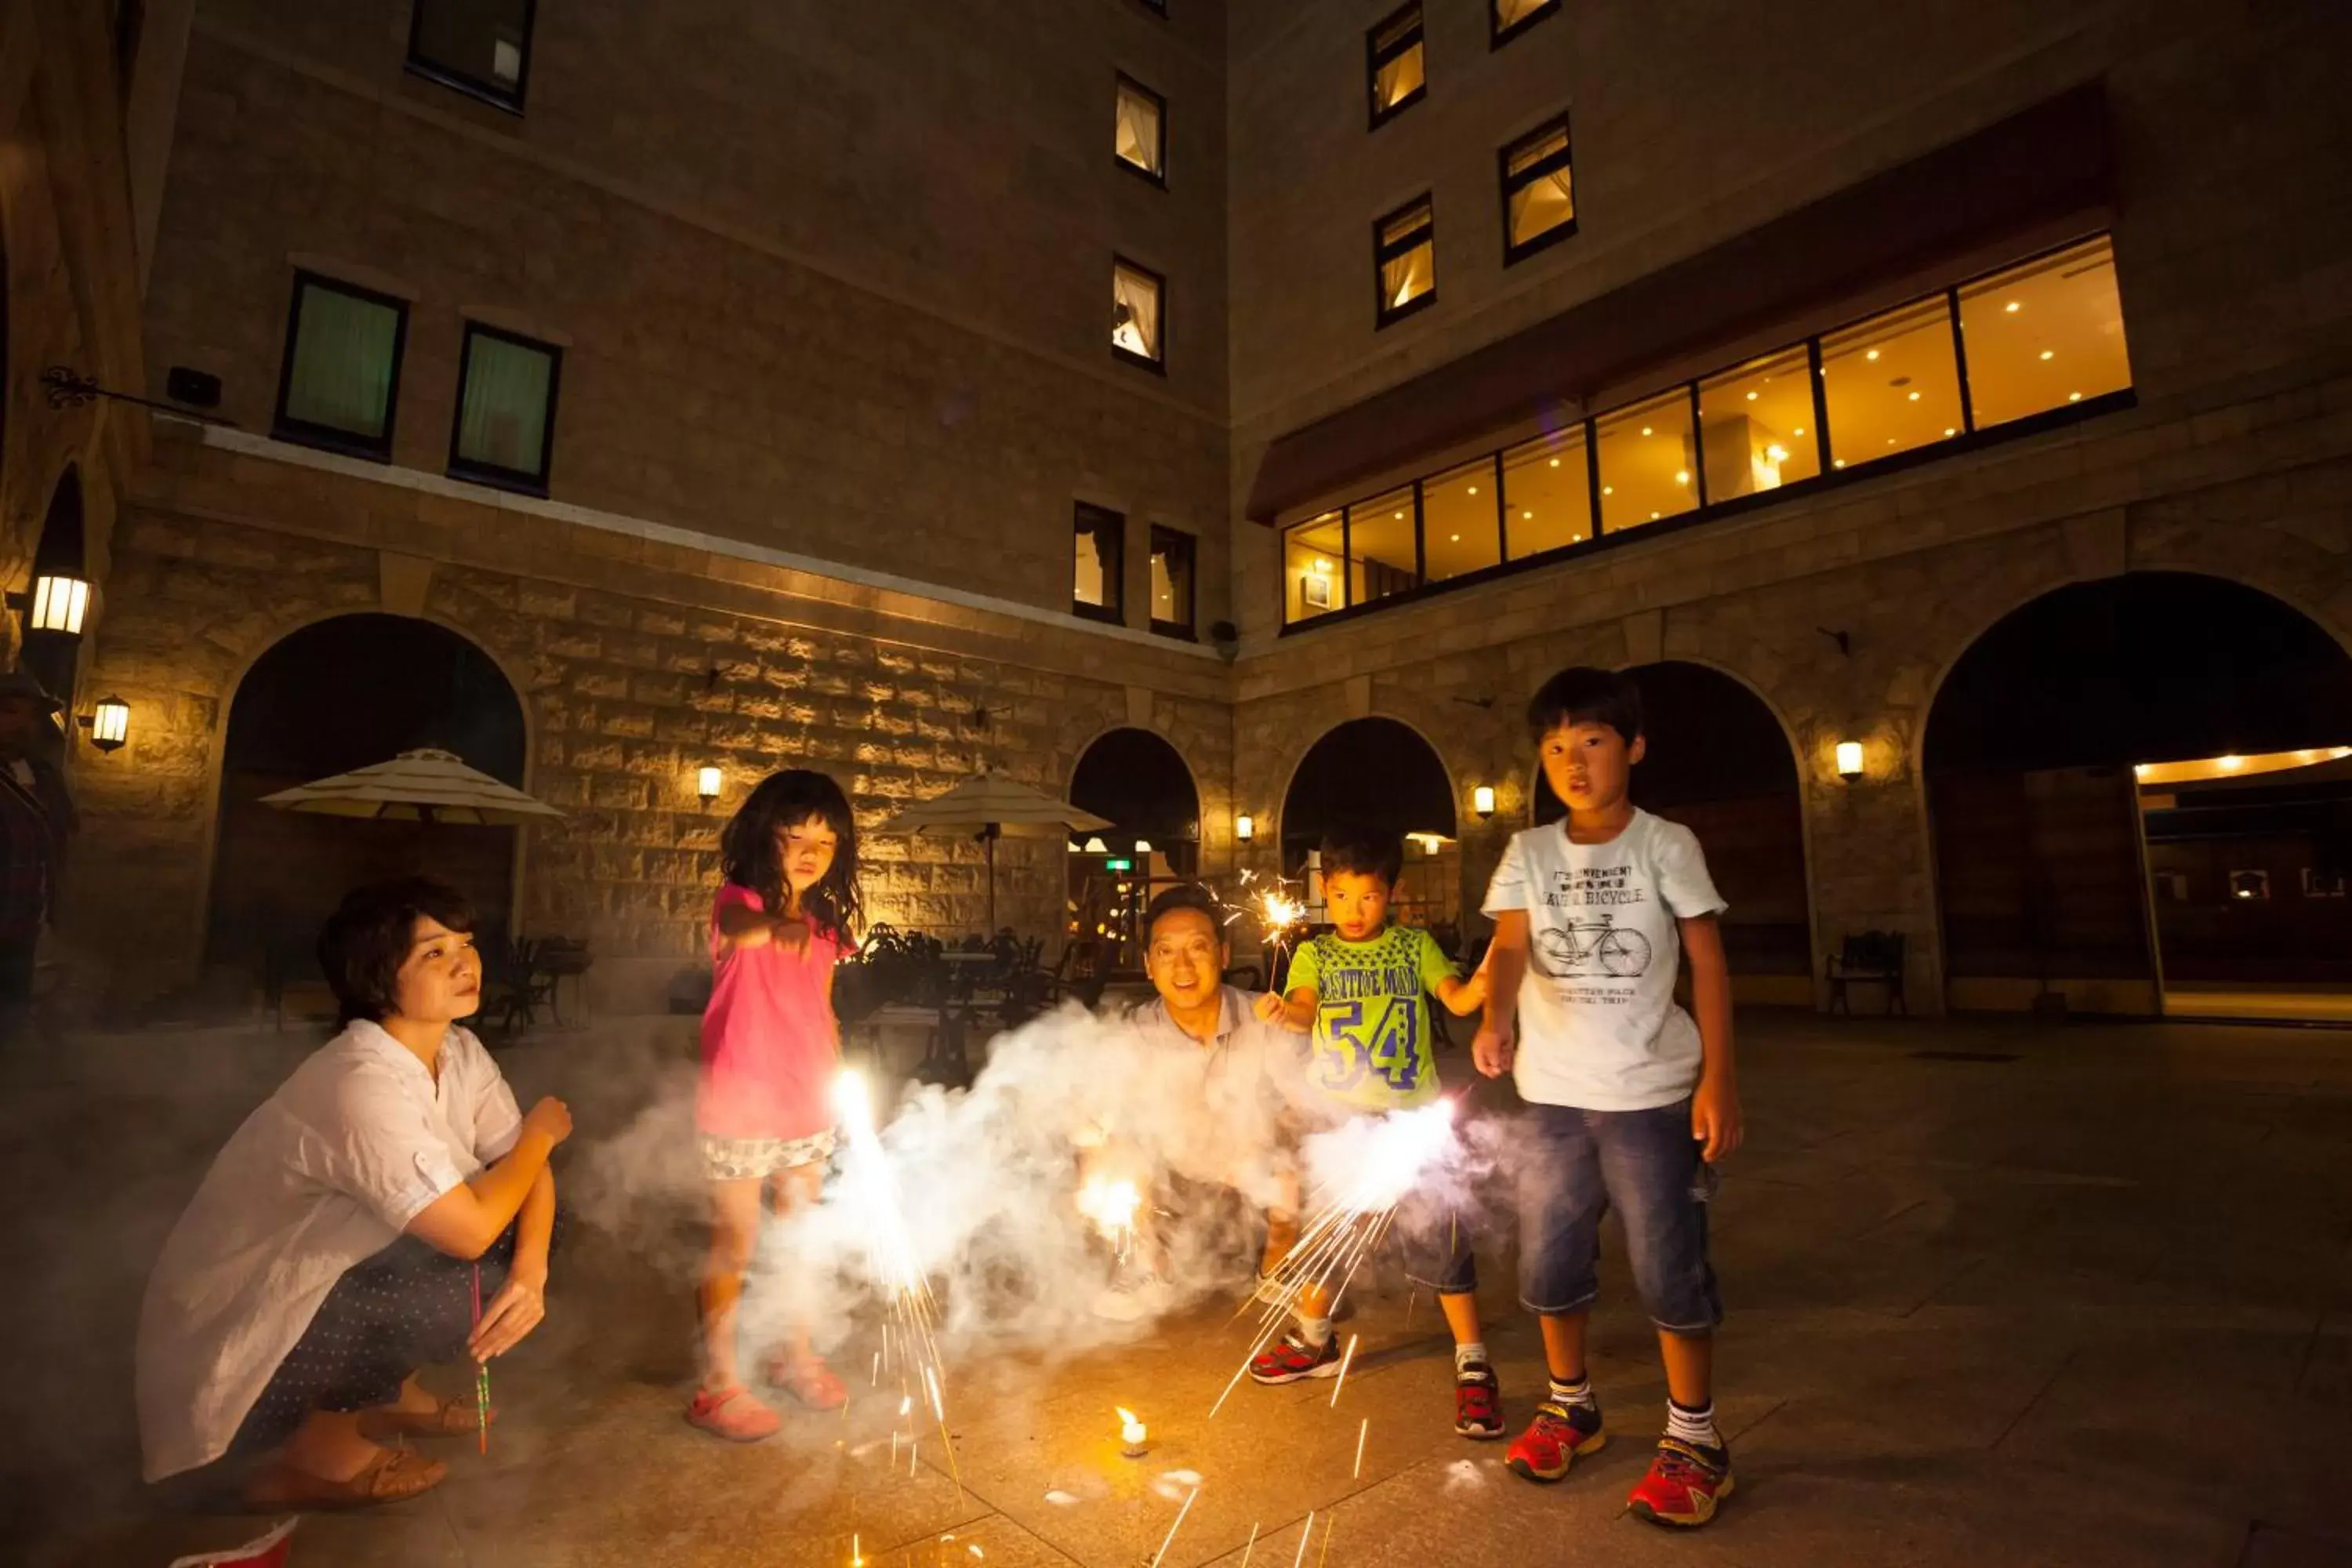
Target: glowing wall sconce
x: 1245, y: 827
x: 708, y: 784
x: 1482, y: 801
x: 1849, y: 760
x: 109, y: 723
x: 59, y: 602
x: 1143, y: 846
x: 1096, y: 847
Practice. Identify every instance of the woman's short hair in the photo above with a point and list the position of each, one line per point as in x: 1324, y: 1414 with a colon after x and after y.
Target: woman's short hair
x: 367, y: 939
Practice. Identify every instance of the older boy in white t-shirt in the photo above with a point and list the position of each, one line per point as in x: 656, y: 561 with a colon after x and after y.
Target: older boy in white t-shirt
x: 1632, y: 1101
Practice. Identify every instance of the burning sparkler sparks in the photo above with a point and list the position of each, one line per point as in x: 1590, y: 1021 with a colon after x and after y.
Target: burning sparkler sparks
x: 1345, y: 1360
x: 872, y: 1191
x: 1111, y: 1204
x: 1383, y: 1159
x: 1175, y: 1527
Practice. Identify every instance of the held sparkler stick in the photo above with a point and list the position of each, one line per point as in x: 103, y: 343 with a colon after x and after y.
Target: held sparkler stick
x: 481, y: 1374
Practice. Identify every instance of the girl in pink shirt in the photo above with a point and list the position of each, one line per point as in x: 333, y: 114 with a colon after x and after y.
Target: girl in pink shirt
x: 770, y: 1053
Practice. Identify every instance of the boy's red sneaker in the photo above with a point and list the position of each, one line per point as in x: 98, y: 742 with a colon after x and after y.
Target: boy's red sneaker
x: 1685, y: 1483
x: 1294, y: 1358
x: 1477, y: 1401
x: 1553, y: 1440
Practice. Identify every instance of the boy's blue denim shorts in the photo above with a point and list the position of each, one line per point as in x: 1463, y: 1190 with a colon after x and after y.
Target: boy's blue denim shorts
x: 1578, y: 1165
x: 1435, y: 1238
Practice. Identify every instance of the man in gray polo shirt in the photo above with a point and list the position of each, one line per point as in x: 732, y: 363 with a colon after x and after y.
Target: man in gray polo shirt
x: 1206, y: 1042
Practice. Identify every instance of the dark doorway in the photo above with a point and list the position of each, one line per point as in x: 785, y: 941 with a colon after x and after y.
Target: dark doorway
x: 2031, y: 752
x: 1140, y: 782
x: 1719, y: 763
x: 1379, y: 774
x: 339, y: 695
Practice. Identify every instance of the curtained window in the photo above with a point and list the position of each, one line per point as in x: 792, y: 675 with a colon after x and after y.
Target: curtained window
x: 1404, y: 260
x: 1135, y: 313
x: 342, y: 375
x: 506, y: 410
x: 1538, y: 200
x: 1141, y: 131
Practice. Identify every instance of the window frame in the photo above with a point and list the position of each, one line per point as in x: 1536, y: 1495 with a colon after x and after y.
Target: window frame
x: 1159, y: 291
x: 1497, y: 33
x: 1159, y: 176
x: 285, y: 426
x: 1161, y: 537
x: 1385, y: 251
x: 495, y: 94
x: 1375, y: 56
x: 1090, y: 519
x: 1970, y: 437
x: 1515, y: 253
x: 472, y: 470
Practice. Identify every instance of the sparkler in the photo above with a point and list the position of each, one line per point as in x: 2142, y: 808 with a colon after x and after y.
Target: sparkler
x: 1175, y: 1527
x: 1352, y: 1214
x: 481, y: 1374
x: 1110, y: 1203
x: 871, y: 1188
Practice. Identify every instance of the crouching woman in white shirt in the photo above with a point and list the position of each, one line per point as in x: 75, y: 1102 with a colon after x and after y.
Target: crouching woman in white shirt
x: 331, y: 1249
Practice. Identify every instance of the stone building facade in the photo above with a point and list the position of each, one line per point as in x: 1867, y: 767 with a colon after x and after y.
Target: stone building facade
x: 834, y: 376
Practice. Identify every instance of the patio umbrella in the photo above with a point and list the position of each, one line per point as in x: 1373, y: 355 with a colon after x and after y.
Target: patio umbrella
x: 427, y: 786
x: 988, y: 807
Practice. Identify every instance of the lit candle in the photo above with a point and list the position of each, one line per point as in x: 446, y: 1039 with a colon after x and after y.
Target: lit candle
x: 1130, y: 1434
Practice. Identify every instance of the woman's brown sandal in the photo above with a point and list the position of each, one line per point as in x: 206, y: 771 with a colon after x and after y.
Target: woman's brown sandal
x: 395, y: 1474
x: 447, y: 1419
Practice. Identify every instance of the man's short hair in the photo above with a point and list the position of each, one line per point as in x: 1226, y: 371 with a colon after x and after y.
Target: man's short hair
x: 1183, y: 896
x: 1583, y: 695
x: 1364, y: 852
x: 367, y: 939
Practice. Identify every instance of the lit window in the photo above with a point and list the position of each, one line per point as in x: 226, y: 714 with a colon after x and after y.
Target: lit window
x: 2045, y: 335
x: 1141, y: 132
x: 1382, y: 558
x: 342, y: 375
x: 1313, y: 583
x: 1459, y: 510
x: 1757, y: 428
x: 1538, y: 200
x: 1509, y: 18
x: 482, y: 47
x: 1892, y: 384
x: 1136, y: 294
x: 1404, y: 260
x: 1394, y: 51
x: 1101, y: 565
x: 1649, y: 469
x: 1546, y: 494
x: 506, y: 409
x: 1171, y: 582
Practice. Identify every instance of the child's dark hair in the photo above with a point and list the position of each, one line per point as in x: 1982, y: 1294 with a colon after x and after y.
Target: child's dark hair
x: 1364, y: 852
x: 1184, y: 896
x: 1583, y: 695
x: 746, y: 849
x: 367, y: 939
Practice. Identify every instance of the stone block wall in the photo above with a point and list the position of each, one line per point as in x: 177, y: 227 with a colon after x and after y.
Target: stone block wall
x: 636, y: 664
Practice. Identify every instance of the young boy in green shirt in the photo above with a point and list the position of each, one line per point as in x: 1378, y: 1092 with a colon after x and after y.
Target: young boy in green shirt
x: 1363, y: 990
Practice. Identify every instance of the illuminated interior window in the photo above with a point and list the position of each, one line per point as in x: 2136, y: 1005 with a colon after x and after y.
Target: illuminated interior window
x: 1135, y: 308
x: 1142, y: 129
x: 1649, y: 468
x: 1509, y: 18
x: 1404, y: 257
x: 1546, y: 493
x: 2045, y: 335
x: 1757, y: 428
x: 1459, y: 518
x: 1381, y: 559
x: 1891, y: 384
x: 1101, y: 537
x: 1538, y: 199
x: 1394, y: 53
x: 1312, y: 558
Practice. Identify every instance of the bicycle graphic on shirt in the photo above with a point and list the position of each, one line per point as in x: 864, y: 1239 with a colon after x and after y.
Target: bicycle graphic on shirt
x: 1576, y: 952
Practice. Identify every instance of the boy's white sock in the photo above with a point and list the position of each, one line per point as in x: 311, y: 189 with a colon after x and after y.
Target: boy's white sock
x: 1693, y: 1427
x: 1469, y: 1355
x: 1314, y: 1330
x: 1579, y: 1392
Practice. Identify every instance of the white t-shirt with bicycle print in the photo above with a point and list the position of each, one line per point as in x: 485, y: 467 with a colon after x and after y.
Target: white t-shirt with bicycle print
x: 1599, y: 1028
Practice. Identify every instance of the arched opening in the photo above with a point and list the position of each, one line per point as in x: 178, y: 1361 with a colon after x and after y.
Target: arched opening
x: 337, y: 695
x: 1379, y: 774
x: 1140, y: 782
x: 54, y: 657
x: 1719, y: 763
x: 2139, y: 801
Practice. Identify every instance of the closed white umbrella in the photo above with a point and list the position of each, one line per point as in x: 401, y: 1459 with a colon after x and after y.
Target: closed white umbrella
x: 426, y: 785
x: 987, y: 806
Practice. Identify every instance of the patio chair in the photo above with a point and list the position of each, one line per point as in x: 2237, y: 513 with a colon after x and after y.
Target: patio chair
x: 1872, y: 958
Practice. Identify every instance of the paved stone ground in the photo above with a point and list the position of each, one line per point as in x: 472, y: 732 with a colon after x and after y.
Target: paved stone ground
x: 2079, y: 1295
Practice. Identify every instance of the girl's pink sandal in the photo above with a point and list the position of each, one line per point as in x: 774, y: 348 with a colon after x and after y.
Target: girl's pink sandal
x: 733, y: 1412
x: 808, y: 1380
